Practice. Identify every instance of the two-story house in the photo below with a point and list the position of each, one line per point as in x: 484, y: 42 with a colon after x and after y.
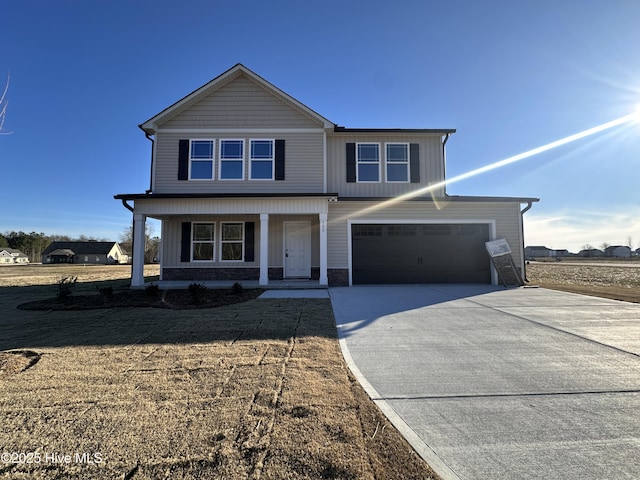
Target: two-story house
x: 250, y: 184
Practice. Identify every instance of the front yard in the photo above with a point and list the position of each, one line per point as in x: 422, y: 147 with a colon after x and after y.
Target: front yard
x: 252, y: 390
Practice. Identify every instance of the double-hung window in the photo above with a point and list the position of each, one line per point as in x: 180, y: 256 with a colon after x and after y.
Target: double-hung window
x: 203, y: 241
x: 261, y: 160
x: 368, y: 162
x: 397, y: 159
x: 232, y: 242
x: 201, y: 159
x: 231, y: 159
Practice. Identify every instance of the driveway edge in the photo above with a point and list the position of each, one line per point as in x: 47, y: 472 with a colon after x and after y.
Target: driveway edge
x: 425, y: 452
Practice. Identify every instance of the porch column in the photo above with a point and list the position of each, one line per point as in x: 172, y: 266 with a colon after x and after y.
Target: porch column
x: 137, y: 268
x: 264, y: 249
x: 323, y: 249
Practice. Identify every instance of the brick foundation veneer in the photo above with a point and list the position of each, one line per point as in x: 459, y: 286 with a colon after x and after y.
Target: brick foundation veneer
x: 338, y: 277
x: 214, y: 273
x: 210, y: 273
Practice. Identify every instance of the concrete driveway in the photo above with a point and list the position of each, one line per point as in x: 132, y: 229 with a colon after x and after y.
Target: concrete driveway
x: 488, y: 383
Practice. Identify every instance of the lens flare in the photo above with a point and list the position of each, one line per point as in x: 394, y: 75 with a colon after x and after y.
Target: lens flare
x: 633, y: 117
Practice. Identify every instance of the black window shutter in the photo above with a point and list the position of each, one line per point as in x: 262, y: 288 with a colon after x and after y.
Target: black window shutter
x: 249, y: 241
x: 351, y: 162
x: 183, y: 160
x: 185, y: 247
x: 414, y: 162
x: 279, y: 157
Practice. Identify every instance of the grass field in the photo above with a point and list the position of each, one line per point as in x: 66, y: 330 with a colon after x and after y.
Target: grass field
x: 616, y: 280
x: 253, y: 390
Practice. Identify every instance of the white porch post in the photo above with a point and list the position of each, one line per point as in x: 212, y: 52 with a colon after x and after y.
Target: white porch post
x: 323, y: 249
x: 264, y: 249
x: 137, y: 270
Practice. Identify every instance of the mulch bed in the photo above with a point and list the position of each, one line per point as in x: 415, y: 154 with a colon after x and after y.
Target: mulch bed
x: 175, y: 299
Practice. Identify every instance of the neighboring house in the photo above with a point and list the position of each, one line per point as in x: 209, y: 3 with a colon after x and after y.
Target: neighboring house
x: 250, y: 184
x: 537, y: 252
x: 591, y: 253
x: 617, y: 251
x: 91, y: 252
x: 12, y: 256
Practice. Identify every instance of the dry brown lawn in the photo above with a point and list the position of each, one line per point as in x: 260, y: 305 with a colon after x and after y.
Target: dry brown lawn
x: 615, y: 280
x: 252, y: 390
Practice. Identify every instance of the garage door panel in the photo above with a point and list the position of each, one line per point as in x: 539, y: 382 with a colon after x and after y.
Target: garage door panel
x: 420, y: 253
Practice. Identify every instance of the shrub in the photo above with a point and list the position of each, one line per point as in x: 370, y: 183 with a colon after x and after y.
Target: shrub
x: 65, y: 287
x: 197, y: 291
x: 237, y: 288
x: 106, y: 293
x: 152, y: 290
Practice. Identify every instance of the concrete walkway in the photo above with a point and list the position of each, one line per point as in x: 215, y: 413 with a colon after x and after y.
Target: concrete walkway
x: 502, y: 384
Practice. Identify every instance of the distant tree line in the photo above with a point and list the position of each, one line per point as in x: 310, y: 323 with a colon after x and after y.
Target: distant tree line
x: 33, y: 244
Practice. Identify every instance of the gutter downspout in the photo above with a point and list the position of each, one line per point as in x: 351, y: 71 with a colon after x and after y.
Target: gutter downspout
x: 133, y: 221
x: 444, y: 161
x: 524, y: 261
x: 153, y: 147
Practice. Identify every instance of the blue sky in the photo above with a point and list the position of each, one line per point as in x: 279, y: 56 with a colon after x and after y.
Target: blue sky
x: 509, y: 76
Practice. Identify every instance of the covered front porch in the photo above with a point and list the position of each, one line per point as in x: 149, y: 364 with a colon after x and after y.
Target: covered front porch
x: 263, y: 241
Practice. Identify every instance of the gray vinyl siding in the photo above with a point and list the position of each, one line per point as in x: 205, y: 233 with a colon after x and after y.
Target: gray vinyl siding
x: 172, y: 231
x: 506, y: 217
x: 241, y: 103
x: 431, y: 164
x: 304, y: 164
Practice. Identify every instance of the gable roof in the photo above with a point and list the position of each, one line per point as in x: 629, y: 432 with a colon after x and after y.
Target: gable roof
x: 151, y: 125
x: 80, y: 248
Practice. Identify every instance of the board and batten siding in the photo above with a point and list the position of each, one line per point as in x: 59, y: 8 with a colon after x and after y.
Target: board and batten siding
x: 504, y: 214
x: 431, y: 164
x: 172, y: 239
x: 241, y: 103
x: 304, y: 164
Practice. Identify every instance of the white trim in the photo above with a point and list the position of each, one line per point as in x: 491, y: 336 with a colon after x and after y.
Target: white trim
x: 324, y: 280
x: 264, y: 249
x: 273, y: 160
x: 220, y: 159
x: 307, y: 225
x: 408, y: 162
x: 137, y: 264
x: 379, y: 163
x: 490, y: 222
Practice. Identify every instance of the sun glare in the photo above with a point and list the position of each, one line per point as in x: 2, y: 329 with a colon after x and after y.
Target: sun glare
x: 632, y: 117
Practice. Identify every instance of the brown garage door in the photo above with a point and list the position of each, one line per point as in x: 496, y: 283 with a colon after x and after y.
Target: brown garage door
x: 420, y: 253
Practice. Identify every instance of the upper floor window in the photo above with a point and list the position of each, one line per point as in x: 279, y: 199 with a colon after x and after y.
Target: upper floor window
x: 397, y: 162
x: 368, y: 162
x: 231, y: 159
x: 201, y: 159
x: 261, y: 161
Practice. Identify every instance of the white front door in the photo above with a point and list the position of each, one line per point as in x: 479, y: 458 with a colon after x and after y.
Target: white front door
x: 297, y: 249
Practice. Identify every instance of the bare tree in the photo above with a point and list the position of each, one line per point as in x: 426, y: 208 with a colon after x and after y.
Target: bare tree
x: 3, y: 106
